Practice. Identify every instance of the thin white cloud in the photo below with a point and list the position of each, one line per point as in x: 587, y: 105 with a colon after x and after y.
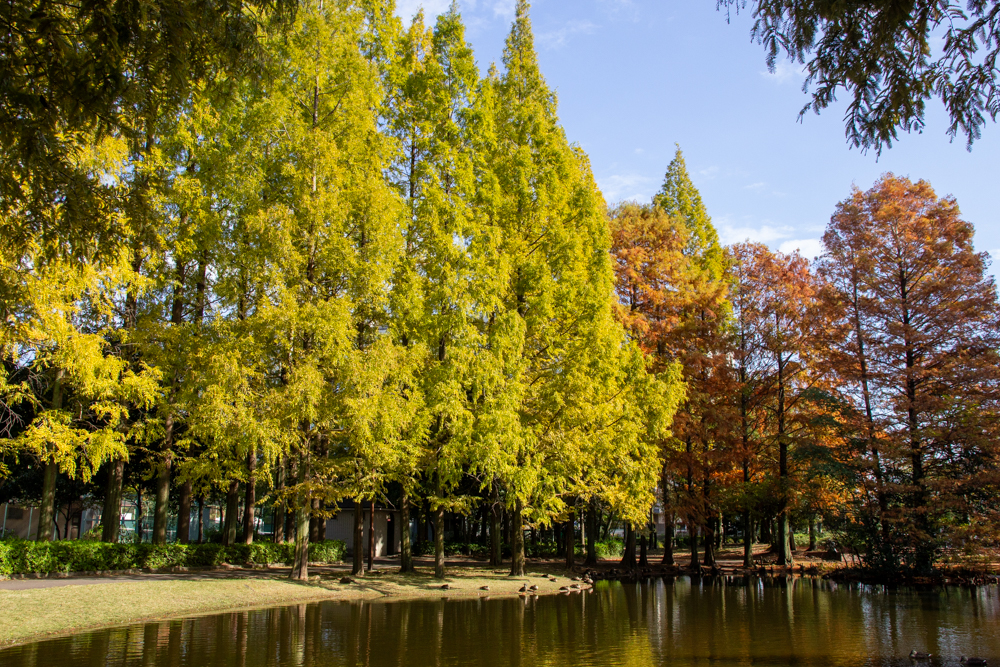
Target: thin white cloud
x: 556, y: 39
x: 808, y: 248
x: 627, y: 187
x: 754, y: 186
x: 784, y: 72
x: 620, y: 8
x: 639, y: 151
x: 765, y: 233
x: 780, y: 238
x: 407, y: 9
x: 505, y: 8
x: 710, y: 172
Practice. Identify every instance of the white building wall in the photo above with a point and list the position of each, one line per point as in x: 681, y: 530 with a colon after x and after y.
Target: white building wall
x: 341, y: 527
x: 19, y: 520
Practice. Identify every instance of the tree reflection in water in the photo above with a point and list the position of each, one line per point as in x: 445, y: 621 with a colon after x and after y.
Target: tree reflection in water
x: 728, y: 621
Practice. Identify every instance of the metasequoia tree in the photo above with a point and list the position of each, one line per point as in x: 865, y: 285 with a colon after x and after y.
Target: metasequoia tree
x: 918, y: 296
x: 673, y: 298
x: 790, y: 323
x: 753, y: 386
x: 437, y: 285
x: 543, y: 406
x: 360, y: 270
x: 333, y: 246
x: 655, y: 284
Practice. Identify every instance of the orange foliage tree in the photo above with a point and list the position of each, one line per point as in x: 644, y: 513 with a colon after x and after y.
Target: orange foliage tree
x: 923, y: 371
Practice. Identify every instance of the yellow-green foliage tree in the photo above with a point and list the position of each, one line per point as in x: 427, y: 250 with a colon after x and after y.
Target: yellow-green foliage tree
x: 560, y: 354
x: 437, y: 284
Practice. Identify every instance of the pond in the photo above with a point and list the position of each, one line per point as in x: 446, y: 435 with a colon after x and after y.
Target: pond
x: 718, y: 621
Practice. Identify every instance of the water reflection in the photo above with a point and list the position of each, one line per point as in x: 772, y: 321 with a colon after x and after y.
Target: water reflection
x: 683, y: 622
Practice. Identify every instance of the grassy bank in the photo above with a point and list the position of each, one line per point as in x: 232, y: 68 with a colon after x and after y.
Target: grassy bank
x: 43, y: 612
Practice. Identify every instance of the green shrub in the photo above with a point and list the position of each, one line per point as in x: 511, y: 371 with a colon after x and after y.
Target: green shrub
x: 25, y: 556
x: 327, y: 551
x: 610, y: 548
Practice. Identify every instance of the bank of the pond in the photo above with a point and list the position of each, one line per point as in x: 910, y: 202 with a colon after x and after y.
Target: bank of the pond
x: 35, y: 613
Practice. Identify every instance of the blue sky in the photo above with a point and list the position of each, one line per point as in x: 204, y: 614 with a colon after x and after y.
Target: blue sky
x: 634, y: 77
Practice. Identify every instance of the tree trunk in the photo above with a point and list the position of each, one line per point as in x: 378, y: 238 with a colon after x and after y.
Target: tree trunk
x: 201, y: 519
x: 628, y: 553
x: 496, y: 526
x: 643, y: 561
x: 652, y: 531
x: 371, y: 536
x: 140, y: 515
x: 290, y: 524
x: 184, y: 514
x: 47, y: 511
x: 693, y: 539
x: 709, y: 541
x: 300, y: 565
x: 232, y: 509
x: 668, y: 539
x: 316, y: 521
x: 439, y: 539
x: 669, y: 516
x: 405, y: 551
x: 358, y: 555
x: 421, y: 531
x: 812, y: 533
x: 279, y: 509
x: 250, y: 497
x: 571, y: 541
x: 766, y: 526
x: 111, y: 515
x: 592, y: 523
x: 747, y: 539
x: 784, y: 552
x: 784, y: 541
x: 517, y: 540
x: 162, y: 496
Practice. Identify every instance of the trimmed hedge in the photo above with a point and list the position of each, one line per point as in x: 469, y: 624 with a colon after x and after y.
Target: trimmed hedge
x: 26, y: 557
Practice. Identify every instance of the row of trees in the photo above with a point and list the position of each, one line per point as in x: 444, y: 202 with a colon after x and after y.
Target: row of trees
x: 358, y: 267
x: 862, y: 388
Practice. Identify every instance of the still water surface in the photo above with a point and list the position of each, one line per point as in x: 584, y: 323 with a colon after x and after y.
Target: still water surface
x: 678, y: 623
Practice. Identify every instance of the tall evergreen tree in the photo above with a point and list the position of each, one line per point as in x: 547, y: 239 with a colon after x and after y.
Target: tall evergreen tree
x: 435, y: 287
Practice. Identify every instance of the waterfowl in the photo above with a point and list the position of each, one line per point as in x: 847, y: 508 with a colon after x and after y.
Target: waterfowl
x: 977, y: 662
x: 484, y: 588
x: 533, y: 587
x: 523, y: 589
x: 919, y: 655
